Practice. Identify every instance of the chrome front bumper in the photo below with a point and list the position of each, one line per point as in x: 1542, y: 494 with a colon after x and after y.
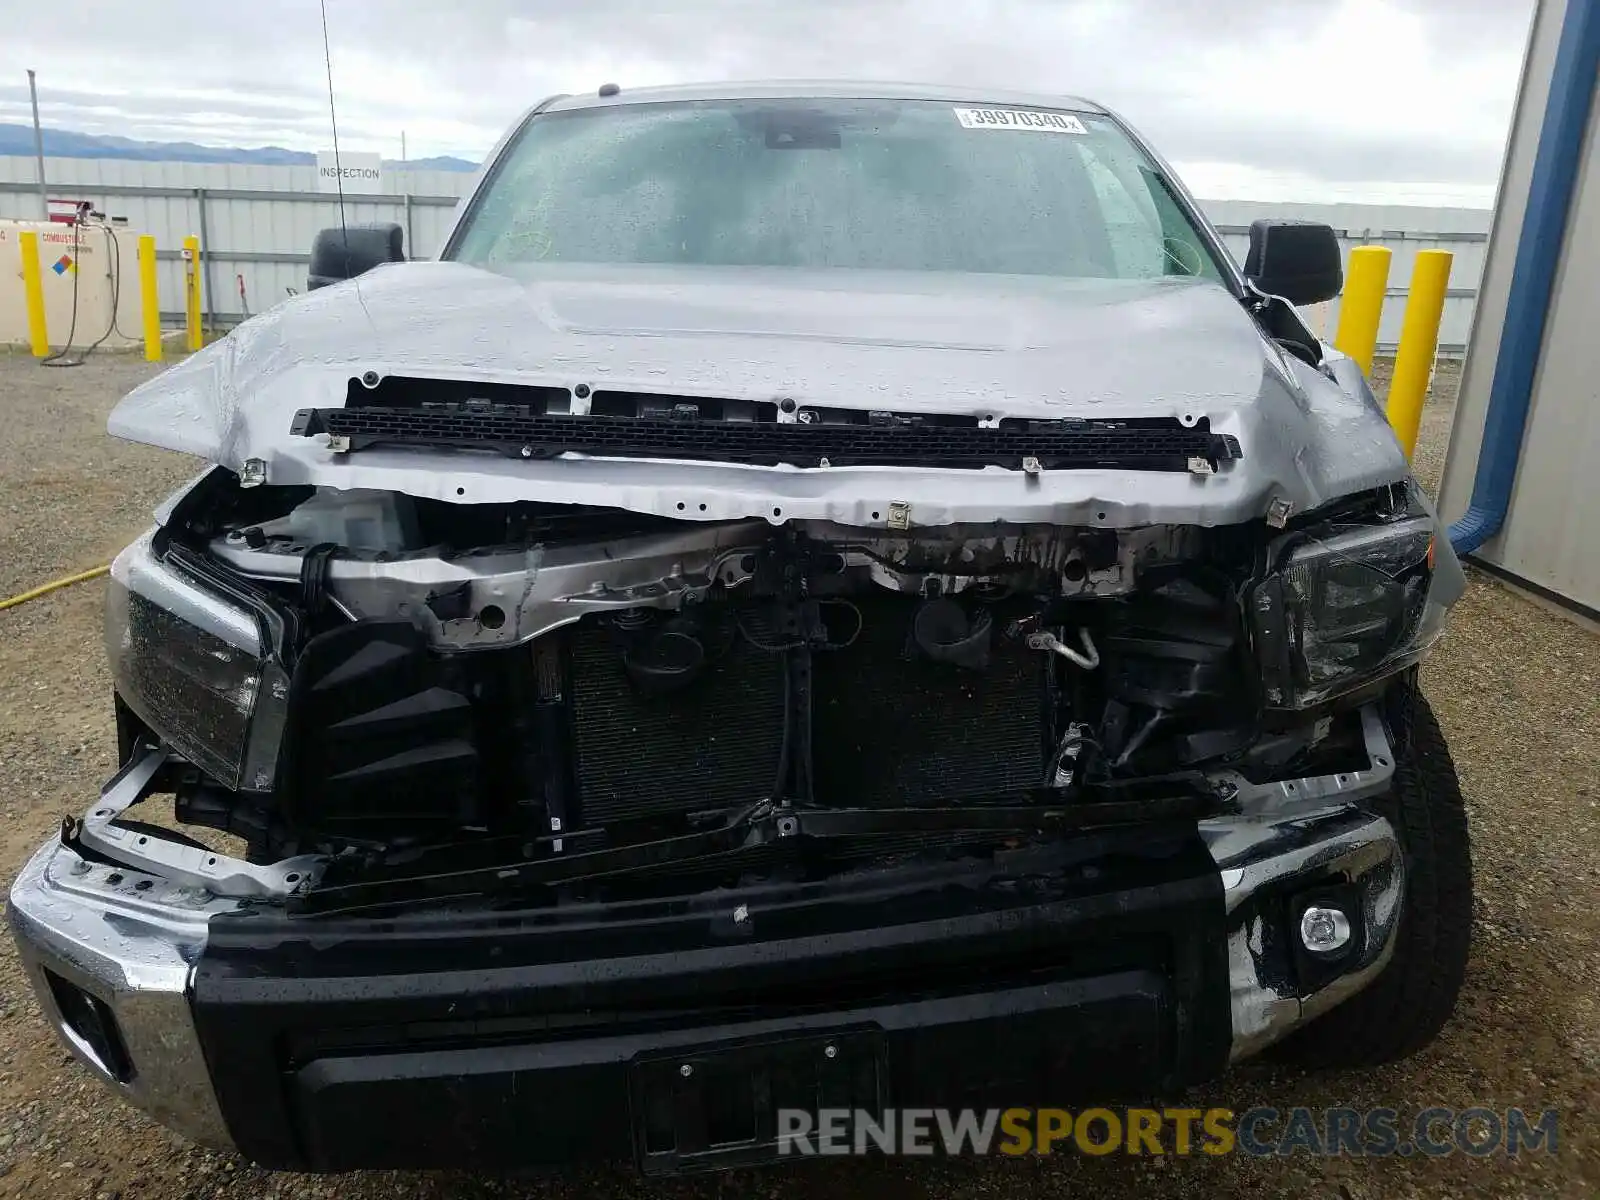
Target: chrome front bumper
x: 1257, y: 854
x: 130, y: 939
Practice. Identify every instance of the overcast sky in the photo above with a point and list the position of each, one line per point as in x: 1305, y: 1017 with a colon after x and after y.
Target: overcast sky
x: 1381, y: 100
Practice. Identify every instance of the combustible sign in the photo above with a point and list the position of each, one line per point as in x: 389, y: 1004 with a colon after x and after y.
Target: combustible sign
x: 360, y: 174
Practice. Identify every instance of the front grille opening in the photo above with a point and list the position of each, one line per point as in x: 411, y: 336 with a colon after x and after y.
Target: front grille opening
x: 92, y: 1021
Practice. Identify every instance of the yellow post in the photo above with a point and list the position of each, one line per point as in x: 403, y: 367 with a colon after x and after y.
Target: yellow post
x: 33, y: 293
x: 148, y: 298
x: 1361, y: 304
x: 1419, y: 341
x: 191, y: 290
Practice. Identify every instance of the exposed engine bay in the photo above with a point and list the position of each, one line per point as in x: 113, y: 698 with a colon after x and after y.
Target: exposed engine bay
x: 759, y: 630
x: 462, y: 687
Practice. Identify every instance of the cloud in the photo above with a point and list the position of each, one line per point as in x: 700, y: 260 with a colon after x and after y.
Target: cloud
x: 1330, y: 90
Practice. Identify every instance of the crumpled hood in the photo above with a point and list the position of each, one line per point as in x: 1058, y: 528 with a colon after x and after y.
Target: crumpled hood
x: 910, y: 342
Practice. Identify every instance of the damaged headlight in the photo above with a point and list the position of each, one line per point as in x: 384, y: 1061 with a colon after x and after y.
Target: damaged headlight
x: 197, y: 667
x: 1345, y: 607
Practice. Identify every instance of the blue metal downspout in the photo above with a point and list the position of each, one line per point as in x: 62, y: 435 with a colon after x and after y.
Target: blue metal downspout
x: 1555, y: 172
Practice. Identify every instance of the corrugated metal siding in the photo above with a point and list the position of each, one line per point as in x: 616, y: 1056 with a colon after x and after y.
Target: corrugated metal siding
x: 283, y: 226
x: 1551, y: 536
x: 1405, y: 230
x: 277, y: 225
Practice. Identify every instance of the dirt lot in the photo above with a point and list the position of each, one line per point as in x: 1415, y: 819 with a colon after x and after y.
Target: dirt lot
x: 1516, y: 687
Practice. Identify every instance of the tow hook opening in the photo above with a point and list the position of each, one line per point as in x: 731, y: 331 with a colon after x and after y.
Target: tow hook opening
x: 91, y: 1026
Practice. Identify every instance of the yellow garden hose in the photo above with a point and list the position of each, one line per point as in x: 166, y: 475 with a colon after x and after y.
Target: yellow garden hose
x: 45, y: 589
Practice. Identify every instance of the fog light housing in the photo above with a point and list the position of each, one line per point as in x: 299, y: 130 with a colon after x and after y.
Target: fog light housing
x: 1324, y: 930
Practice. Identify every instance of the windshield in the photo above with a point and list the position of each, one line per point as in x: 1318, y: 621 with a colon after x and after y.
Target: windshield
x: 905, y: 185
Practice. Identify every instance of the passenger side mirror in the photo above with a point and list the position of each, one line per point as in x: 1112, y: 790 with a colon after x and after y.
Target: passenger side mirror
x: 1298, y: 260
x: 338, y: 254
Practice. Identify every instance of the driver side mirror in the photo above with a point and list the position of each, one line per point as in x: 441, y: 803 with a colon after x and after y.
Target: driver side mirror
x: 339, y: 254
x: 1298, y: 260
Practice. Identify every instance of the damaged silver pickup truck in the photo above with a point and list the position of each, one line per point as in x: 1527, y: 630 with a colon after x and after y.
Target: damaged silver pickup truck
x: 822, y: 596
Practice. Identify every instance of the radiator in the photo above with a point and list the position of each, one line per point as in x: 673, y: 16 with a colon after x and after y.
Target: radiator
x: 887, y: 728
x: 891, y: 729
x: 714, y: 744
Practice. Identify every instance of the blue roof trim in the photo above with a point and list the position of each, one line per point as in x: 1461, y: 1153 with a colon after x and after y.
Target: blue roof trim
x: 1555, y: 172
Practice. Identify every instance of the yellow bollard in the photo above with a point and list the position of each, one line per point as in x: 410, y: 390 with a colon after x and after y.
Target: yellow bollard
x: 1361, y: 304
x: 33, y: 293
x: 1419, y: 342
x: 148, y: 298
x: 191, y: 290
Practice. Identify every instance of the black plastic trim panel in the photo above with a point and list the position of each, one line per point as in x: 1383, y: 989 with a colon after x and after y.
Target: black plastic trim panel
x: 508, y: 1038
x: 1149, y: 444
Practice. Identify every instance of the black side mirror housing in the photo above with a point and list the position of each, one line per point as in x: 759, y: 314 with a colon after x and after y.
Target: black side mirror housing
x: 1298, y: 260
x: 339, y: 254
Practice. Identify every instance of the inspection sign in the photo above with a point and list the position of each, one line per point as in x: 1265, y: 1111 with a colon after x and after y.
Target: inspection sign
x: 353, y: 172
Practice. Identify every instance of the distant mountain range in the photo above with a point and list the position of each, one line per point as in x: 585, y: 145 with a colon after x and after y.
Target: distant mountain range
x: 63, y: 143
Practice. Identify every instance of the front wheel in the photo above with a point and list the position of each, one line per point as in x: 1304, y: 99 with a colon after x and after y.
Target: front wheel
x: 1403, y: 1010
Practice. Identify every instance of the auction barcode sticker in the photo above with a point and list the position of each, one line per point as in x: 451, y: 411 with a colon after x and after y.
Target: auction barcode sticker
x: 1018, y: 118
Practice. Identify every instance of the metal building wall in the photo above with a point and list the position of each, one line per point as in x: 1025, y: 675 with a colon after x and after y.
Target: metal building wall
x: 1551, y: 535
x: 1405, y: 230
x: 259, y: 220
x: 264, y: 237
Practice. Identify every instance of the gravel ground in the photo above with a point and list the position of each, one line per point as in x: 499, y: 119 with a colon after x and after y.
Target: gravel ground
x: 1526, y: 1033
